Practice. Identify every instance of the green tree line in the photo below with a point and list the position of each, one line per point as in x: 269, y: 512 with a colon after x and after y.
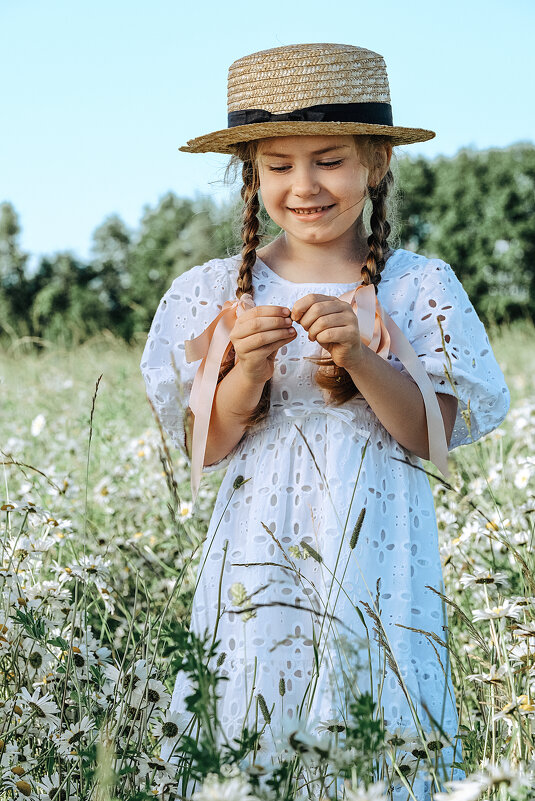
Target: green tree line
x: 474, y: 210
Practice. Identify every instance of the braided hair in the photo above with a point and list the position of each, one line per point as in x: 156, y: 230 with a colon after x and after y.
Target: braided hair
x: 246, y: 153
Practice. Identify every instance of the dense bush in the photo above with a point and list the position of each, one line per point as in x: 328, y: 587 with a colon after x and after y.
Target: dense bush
x: 474, y: 210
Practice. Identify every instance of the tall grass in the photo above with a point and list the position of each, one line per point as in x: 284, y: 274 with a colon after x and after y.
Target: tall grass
x: 100, y: 558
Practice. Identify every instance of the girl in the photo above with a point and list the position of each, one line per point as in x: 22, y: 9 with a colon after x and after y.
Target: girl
x: 330, y: 365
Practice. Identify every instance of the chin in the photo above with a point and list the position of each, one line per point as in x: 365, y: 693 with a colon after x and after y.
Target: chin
x: 317, y: 238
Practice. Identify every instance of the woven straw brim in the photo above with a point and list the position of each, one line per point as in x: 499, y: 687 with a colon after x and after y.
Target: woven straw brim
x: 224, y: 141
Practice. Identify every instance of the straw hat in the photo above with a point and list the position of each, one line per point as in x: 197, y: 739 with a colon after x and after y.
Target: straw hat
x: 307, y: 89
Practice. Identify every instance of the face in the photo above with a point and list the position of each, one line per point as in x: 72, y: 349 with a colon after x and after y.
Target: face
x: 314, y: 187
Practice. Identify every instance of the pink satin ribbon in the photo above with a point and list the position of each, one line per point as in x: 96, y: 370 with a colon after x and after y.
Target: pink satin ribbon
x: 378, y: 332
x: 211, y: 346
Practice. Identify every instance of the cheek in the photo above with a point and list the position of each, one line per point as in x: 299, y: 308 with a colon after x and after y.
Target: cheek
x: 271, y: 198
x: 265, y: 188
x: 351, y: 183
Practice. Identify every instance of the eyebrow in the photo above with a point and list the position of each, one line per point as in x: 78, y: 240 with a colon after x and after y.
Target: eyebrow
x: 315, y: 153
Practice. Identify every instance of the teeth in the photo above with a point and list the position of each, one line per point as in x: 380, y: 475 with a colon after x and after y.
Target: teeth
x: 310, y: 211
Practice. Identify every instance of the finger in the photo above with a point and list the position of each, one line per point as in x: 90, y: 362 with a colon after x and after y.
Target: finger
x: 320, y: 309
x: 260, y: 325
x: 300, y: 306
x: 339, y: 335
x: 265, y: 311
x: 266, y: 338
x: 268, y: 349
x: 337, y: 319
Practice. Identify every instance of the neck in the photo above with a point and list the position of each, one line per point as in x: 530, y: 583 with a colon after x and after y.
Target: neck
x: 308, y: 261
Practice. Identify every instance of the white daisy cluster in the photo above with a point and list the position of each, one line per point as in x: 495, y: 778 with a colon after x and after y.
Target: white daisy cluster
x: 486, y: 538
x: 374, y: 792
x: 503, y: 777
x: 64, y: 696
x: 233, y: 787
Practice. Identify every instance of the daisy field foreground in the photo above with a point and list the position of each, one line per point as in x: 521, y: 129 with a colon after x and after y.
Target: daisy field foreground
x: 100, y: 553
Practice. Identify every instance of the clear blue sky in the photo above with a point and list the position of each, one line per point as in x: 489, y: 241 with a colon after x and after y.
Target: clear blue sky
x: 97, y: 95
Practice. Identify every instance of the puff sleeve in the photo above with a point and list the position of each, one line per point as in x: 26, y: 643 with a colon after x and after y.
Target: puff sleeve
x: 190, y: 304
x: 475, y: 372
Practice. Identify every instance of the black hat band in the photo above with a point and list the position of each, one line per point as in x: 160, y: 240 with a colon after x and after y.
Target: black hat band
x: 368, y: 113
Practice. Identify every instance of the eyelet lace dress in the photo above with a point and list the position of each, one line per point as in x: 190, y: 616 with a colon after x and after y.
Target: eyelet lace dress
x: 311, y: 469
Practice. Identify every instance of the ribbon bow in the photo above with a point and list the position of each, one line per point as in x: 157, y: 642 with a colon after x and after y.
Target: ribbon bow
x: 211, y: 346
x: 378, y: 332
x: 254, y: 115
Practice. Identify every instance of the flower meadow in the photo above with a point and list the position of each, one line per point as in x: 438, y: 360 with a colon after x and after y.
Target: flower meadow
x: 100, y: 554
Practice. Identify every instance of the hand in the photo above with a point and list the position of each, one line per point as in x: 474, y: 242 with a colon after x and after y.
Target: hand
x: 257, y: 335
x: 333, y: 324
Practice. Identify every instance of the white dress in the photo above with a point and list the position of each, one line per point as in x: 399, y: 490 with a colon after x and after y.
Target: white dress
x: 311, y: 469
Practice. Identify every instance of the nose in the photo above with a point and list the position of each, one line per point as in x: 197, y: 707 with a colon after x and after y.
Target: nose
x: 305, y: 183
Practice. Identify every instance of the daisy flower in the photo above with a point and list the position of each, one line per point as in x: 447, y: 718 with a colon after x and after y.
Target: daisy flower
x: 124, y: 679
x: 522, y: 477
x: 68, y: 741
x: 400, y: 737
x: 216, y: 789
x: 482, y: 577
x: 35, y: 657
x: 186, y: 510
x: 45, y: 711
x: 435, y: 742
x: 524, y: 630
x: 374, y: 792
x: 38, y: 423
x: 93, y: 568
x: 155, y: 766
x: 171, y: 727
x: 492, y: 677
x: 467, y: 790
x: 11, y: 755
x: 49, y: 787
x: 21, y: 788
x: 522, y: 652
x: 520, y: 703
x: 502, y: 773
x: 81, y: 658
x: 343, y: 758
x: 151, y: 693
x: 507, y: 609
x: 163, y: 789
x: 331, y: 725
x: 305, y: 743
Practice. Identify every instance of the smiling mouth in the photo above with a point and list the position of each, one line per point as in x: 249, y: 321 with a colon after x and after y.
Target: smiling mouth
x: 315, y: 210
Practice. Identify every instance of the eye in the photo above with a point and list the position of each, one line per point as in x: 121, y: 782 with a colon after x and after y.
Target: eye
x: 327, y: 164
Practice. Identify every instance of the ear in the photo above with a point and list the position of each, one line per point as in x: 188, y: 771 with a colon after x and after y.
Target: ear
x: 381, y: 163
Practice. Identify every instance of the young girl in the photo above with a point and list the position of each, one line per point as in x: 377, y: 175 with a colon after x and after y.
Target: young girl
x: 330, y: 365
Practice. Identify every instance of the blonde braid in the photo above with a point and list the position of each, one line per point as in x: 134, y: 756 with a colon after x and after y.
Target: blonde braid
x: 249, y: 229
x: 378, y: 239
x: 249, y: 234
